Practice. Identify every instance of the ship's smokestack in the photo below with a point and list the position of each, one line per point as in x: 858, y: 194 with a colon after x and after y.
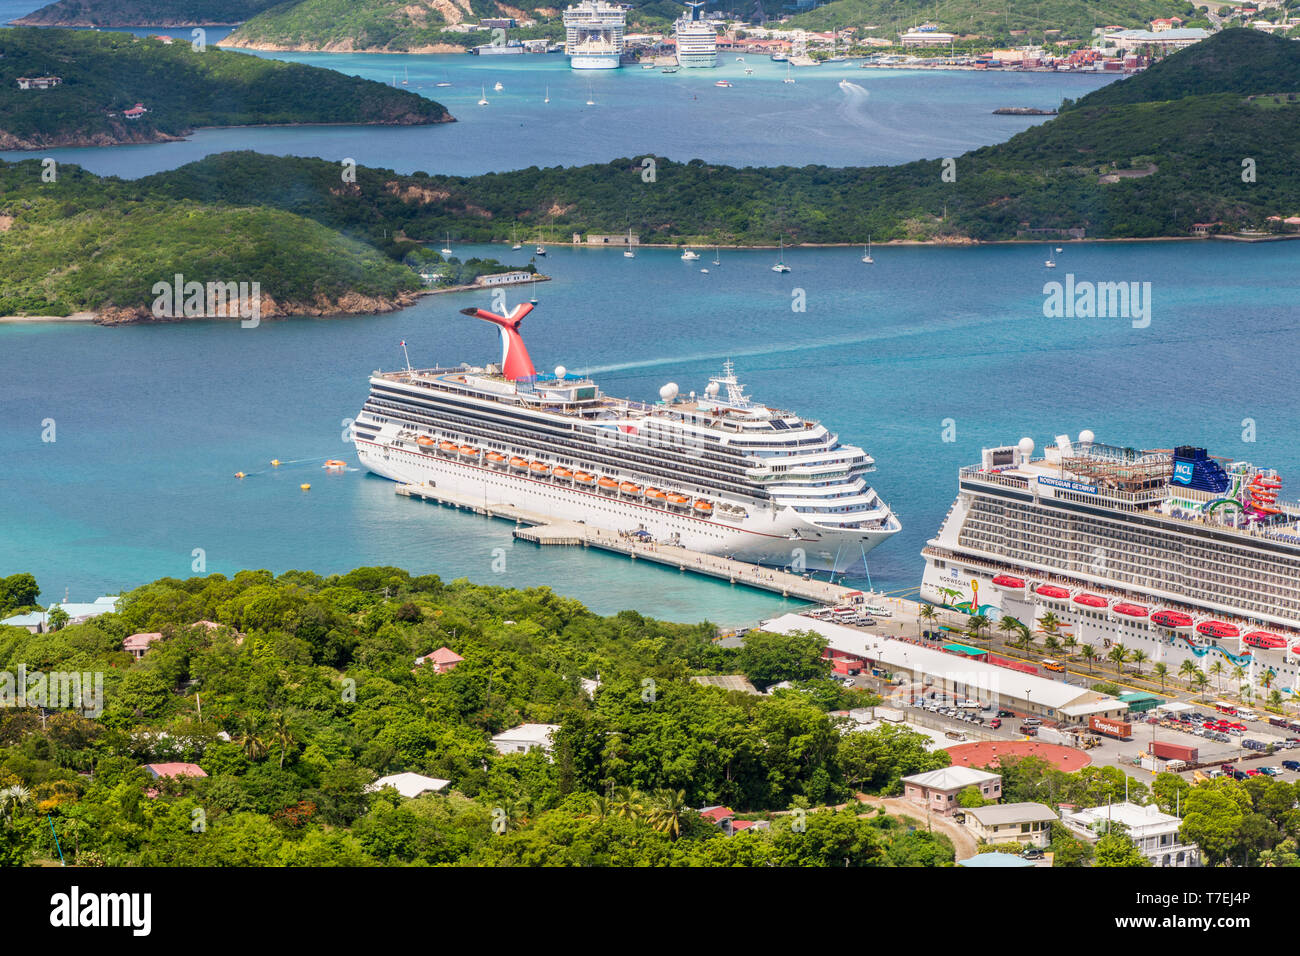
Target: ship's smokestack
x: 515, y: 362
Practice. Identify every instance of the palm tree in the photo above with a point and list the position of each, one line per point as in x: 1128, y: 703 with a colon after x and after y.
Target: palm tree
x: 1186, y: 670
x: 1275, y: 700
x: 12, y: 799
x: 1070, y: 642
x: 1118, y: 655
x: 249, y: 740
x: 1026, y: 637
x: 976, y: 623
x: 666, y: 812
x: 1161, y: 670
x: 1051, y: 642
x: 1008, y: 624
x: 1049, y: 624
x: 1239, y: 673
x: 1137, y: 656
x: 1266, y: 679
x: 601, y: 806
x: 1217, y: 670
x: 1089, y: 654
x: 282, y: 735
x: 926, y: 614
x: 1200, y: 680
x: 625, y: 803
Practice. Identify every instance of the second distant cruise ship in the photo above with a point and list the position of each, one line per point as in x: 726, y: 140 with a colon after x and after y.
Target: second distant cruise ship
x: 593, y: 35
x: 715, y: 472
x: 697, y: 41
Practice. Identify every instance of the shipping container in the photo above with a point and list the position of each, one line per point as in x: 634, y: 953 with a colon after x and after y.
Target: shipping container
x: 1172, y: 751
x: 1119, y: 729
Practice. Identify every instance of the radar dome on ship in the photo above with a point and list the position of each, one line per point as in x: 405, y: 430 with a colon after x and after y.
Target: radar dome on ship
x: 1026, y: 446
x: 668, y: 392
x: 711, y: 390
x: 1086, y: 437
x: 560, y: 371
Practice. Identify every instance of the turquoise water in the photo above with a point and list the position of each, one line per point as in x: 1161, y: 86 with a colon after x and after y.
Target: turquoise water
x: 152, y: 422
x: 882, y: 117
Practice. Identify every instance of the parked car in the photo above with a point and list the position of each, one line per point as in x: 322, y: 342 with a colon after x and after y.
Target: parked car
x: 996, y: 722
x: 1291, y: 764
x: 1226, y: 767
x: 1005, y: 713
x: 1253, y: 772
x: 1270, y: 771
x: 1031, y: 721
x: 1238, y: 775
x: 1029, y: 730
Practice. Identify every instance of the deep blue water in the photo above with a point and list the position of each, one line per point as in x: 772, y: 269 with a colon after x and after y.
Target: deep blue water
x: 152, y: 422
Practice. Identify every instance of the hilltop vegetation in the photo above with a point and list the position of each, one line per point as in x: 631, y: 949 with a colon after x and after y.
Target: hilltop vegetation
x: 144, y: 13
x: 106, y: 73
x: 1074, y: 18
x: 308, y: 693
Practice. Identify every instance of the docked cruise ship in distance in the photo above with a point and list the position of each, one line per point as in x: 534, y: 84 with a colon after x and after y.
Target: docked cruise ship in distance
x: 697, y: 40
x: 1173, y: 552
x: 593, y: 35
x: 716, y: 472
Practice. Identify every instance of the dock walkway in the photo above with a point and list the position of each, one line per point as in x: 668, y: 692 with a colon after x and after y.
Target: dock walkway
x: 541, y: 529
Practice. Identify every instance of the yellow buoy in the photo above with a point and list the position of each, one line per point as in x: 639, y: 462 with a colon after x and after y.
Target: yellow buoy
x: 239, y: 474
x: 275, y: 462
x: 305, y: 487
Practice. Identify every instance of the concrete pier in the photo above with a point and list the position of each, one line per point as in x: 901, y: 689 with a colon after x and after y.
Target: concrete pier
x: 541, y: 529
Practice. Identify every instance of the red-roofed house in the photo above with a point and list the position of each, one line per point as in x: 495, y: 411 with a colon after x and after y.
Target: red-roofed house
x: 137, y: 644
x: 721, y: 816
x: 159, y: 770
x: 742, y: 825
x: 1162, y: 24
x: 444, y: 660
x: 135, y: 112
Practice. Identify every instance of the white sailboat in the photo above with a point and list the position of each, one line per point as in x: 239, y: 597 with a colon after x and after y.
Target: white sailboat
x: 444, y: 81
x: 406, y: 76
x: 788, y: 77
x: 628, y: 253
x: 514, y: 238
x: 690, y: 256
x: 498, y: 87
x: 446, y: 250
x: 548, y: 95
x: 866, y: 253
x: 541, y: 249
x: 483, y: 99
x: 716, y: 260
x: 780, y: 260
x: 1050, y: 263
x: 591, y: 100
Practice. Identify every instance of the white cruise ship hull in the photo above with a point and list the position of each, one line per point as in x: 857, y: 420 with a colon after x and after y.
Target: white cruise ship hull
x: 777, y: 537
x: 697, y: 60
x: 590, y: 61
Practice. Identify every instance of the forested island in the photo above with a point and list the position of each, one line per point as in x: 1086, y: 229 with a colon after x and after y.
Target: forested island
x: 144, y: 13
x: 115, y: 88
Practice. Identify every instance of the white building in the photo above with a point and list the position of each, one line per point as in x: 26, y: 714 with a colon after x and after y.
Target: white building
x: 1027, y: 823
x: 504, y: 278
x: 1155, y: 832
x: 525, y: 737
x: 938, y: 789
x: 1166, y: 40
x: 408, y: 784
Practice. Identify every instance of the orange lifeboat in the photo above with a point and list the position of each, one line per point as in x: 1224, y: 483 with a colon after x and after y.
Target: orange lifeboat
x: 496, y: 457
x: 677, y: 499
x: 468, y: 451
x: 582, y: 478
x: 654, y: 494
x: 539, y: 468
x: 562, y: 472
x: 334, y: 464
x: 445, y: 445
x: 628, y: 488
x: 425, y: 441
x: 607, y: 483
x: 520, y: 463
x: 705, y: 507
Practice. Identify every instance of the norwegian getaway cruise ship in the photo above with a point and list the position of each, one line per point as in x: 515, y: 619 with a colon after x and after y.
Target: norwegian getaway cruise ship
x: 1171, y: 552
x: 718, y: 472
x: 697, y: 41
x: 593, y: 35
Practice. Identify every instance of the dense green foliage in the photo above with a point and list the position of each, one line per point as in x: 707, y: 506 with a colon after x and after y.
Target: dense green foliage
x: 307, y: 692
x: 182, y: 89
x: 144, y: 13
x: 1254, y: 822
x: 1074, y: 18
x: 17, y: 593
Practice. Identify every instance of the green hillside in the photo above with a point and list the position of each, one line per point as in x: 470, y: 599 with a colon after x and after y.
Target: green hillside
x: 144, y: 13
x: 106, y: 73
x: 1074, y: 18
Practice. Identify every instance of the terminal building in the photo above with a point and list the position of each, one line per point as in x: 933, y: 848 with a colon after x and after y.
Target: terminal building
x: 957, y: 675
